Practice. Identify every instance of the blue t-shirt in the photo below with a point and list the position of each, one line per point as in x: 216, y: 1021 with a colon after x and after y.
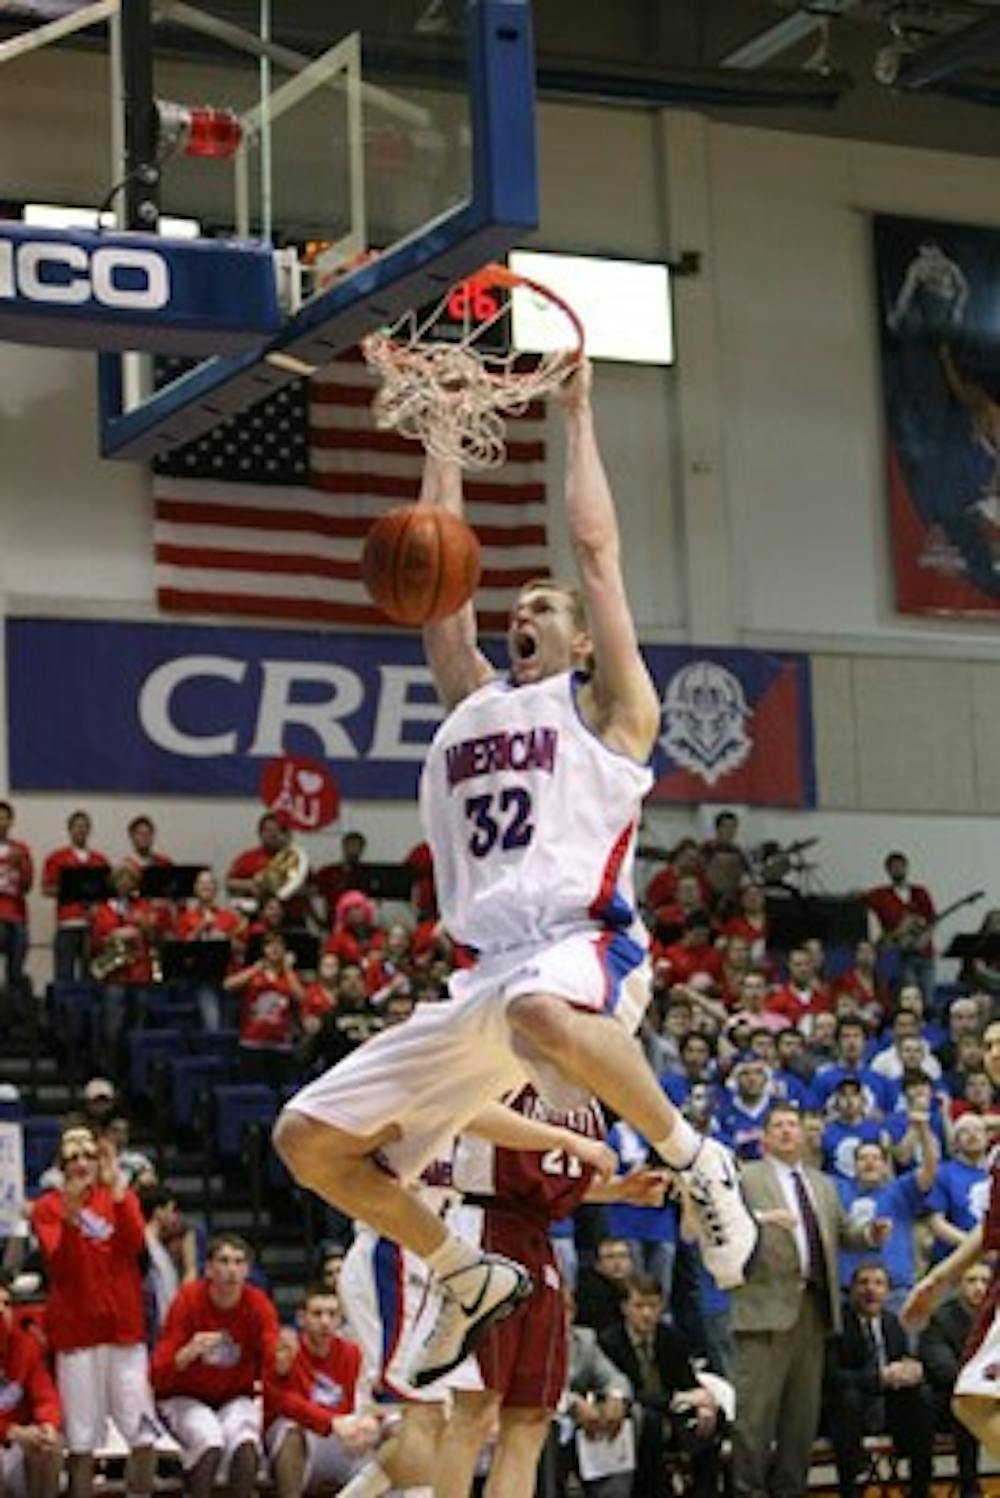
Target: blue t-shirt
x: 788, y: 1086
x: 743, y: 1129
x: 962, y: 1193
x: 877, y: 1092
x: 840, y: 1144
x: 903, y: 1201
x: 898, y: 1121
x: 650, y: 1224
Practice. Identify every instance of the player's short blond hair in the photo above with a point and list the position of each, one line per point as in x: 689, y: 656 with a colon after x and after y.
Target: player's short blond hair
x: 569, y: 591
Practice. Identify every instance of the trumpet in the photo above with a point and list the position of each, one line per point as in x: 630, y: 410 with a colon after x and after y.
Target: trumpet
x: 117, y: 951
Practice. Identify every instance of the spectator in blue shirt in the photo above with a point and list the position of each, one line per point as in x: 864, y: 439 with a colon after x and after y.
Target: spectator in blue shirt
x: 850, y: 1062
x: 877, y: 1192
x: 742, y: 1116
x: 695, y: 1053
x: 961, y: 1191
x: 848, y: 1128
x: 788, y: 1080
x: 916, y: 1102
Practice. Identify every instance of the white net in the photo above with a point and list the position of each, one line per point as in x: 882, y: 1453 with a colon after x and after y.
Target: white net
x: 455, y: 397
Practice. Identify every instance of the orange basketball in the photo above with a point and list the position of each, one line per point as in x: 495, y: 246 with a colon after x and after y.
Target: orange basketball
x: 420, y: 563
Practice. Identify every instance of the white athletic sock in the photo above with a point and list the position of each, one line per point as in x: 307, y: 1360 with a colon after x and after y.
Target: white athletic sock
x: 451, y: 1256
x: 370, y: 1482
x: 680, y: 1146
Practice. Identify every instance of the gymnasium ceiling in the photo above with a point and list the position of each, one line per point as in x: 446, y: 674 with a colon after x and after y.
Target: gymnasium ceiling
x: 918, y: 72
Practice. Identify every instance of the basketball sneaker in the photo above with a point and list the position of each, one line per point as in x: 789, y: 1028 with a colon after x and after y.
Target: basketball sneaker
x: 726, y: 1228
x: 471, y: 1299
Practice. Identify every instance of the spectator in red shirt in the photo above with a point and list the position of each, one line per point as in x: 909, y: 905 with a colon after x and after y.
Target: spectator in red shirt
x: 313, y: 1436
x: 270, y: 993
x: 143, y: 855
x: 320, y: 996
x: 218, y: 1343
x: 862, y: 983
x: 668, y: 920
x: 694, y: 955
x: 735, y: 953
x: 16, y: 878
x: 392, y: 960
x: 124, y: 932
x: 662, y: 888
x: 355, y: 932
x: 72, y: 923
x: 423, y: 896
x: 751, y: 923
x: 92, y: 1237
x: 906, y: 914
x: 30, y: 1417
x: 802, y: 996
x: 206, y: 920
x: 251, y: 877
x: 334, y: 879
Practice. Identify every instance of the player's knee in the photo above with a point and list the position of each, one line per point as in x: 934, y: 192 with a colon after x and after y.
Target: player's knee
x: 474, y: 1414
x: 303, y: 1145
x: 542, y: 1022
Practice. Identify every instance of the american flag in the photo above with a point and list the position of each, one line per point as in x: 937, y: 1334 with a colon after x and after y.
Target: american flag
x: 266, y: 515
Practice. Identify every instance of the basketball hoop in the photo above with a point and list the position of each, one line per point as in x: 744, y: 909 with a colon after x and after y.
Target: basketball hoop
x: 455, y: 396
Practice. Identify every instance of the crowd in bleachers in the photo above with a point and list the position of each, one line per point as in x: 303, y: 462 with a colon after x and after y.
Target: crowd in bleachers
x: 882, y: 1061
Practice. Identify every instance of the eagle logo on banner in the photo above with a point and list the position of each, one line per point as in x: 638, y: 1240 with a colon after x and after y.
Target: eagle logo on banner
x: 704, y: 721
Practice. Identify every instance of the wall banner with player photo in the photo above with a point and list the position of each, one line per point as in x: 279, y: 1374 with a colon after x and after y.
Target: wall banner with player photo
x: 939, y: 328
x: 200, y: 710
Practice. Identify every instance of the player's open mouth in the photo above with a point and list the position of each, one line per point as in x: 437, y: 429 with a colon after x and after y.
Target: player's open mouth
x: 524, y: 646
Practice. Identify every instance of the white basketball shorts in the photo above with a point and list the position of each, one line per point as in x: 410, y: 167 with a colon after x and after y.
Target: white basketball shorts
x: 388, y: 1298
x: 95, y: 1382
x: 432, y: 1074
x: 328, y: 1465
x: 197, y: 1428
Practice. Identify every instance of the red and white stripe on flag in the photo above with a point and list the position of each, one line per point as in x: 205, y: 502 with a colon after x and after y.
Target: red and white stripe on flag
x: 267, y: 515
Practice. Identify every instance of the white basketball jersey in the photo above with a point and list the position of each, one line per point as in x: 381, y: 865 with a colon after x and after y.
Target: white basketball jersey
x: 530, y: 817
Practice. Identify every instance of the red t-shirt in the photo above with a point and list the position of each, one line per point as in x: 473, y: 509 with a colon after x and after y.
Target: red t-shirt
x: 423, y: 896
x: 890, y: 909
x: 217, y: 924
x: 27, y: 1394
x: 267, y: 1012
x: 796, y: 1006
x: 315, y: 1390
x: 70, y: 858
x: 236, y: 1366
x: 740, y: 925
x: 95, y: 1283
x: 317, y: 1001
x: 16, y: 878
x: 352, y: 946
x: 116, y: 915
x: 686, y: 962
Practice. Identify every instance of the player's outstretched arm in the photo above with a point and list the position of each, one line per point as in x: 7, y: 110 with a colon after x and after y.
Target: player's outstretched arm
x: 457, y: 663
x: 626, y: 710
x: 511, y: 1130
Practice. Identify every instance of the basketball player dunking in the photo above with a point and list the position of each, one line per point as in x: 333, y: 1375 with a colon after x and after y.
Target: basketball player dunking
x: 530, y: 797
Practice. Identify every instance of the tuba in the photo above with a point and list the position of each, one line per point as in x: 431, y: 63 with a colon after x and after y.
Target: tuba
x: 285, y: 874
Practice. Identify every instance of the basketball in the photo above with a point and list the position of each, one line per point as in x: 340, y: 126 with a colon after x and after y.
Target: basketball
x: 420, y: 563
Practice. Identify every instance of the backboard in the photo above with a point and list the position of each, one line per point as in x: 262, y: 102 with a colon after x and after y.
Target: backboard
x: 324, y: 165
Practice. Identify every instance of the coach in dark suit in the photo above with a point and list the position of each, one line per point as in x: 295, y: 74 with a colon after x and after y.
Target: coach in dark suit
x: 677, y: 1413
x: 874, y: 1386
x: 942, y: 1343
x: 785, y: 1310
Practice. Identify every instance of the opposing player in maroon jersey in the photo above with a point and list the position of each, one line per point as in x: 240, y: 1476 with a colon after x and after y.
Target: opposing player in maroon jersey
x: 509, y: 1199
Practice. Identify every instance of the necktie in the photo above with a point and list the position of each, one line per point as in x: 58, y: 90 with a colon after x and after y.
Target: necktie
x: 816, y: 1266
x: 649, y: 1373
x: 878, y: 1341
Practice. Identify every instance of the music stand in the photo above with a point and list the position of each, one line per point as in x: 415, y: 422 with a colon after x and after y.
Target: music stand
x: 303, y: 944
x: 204, y: 963
x: 386, y: 881
x: 969, y: 944
x: 838, y: 921
x: 173, y: 881
x: 84, y: 886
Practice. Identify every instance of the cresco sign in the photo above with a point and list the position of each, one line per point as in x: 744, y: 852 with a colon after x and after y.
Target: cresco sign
x: 202, y: 710
x: 79, y: 287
